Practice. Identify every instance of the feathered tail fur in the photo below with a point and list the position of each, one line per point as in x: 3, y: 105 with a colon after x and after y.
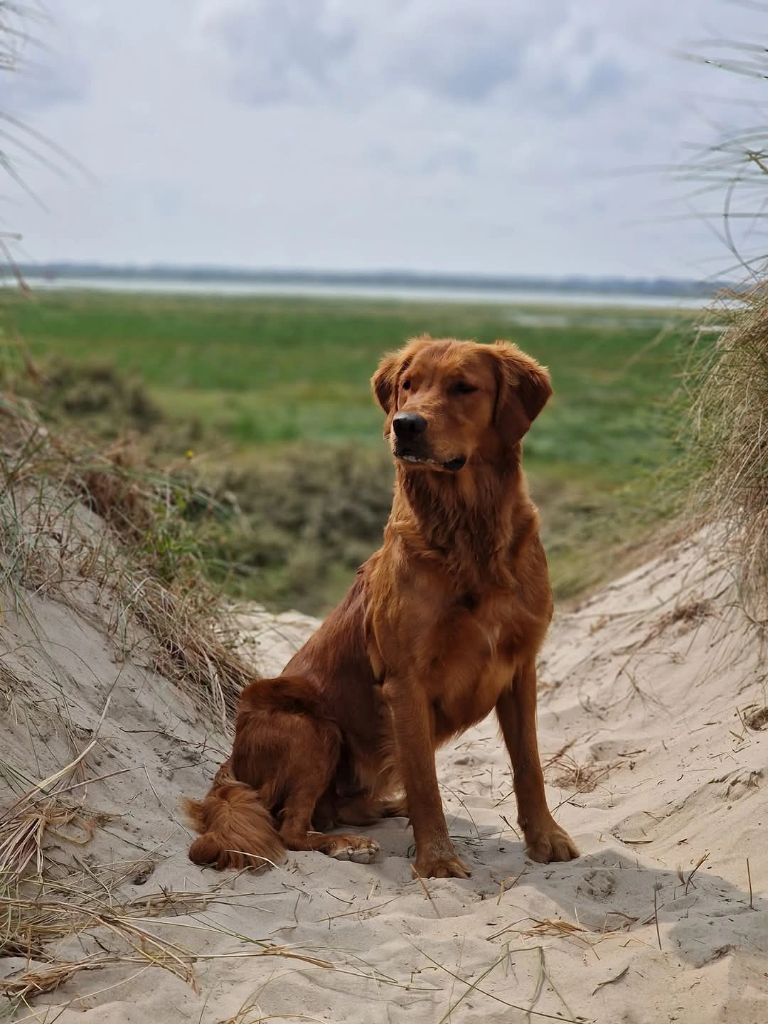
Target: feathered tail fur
x: 236, y: 830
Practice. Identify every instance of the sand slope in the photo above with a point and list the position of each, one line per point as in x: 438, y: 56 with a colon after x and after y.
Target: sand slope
x: 648, y: 692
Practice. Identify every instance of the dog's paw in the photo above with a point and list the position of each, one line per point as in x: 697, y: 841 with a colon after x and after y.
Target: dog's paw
x: 441, y: 867
x: 359, y: 849
x: 550, y: 844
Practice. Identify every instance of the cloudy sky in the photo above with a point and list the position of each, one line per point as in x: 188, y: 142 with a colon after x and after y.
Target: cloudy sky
x: 500, y: 136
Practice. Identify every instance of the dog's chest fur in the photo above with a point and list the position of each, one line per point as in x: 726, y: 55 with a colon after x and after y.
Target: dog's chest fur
x: 463, y: 646
x: 482, y: 646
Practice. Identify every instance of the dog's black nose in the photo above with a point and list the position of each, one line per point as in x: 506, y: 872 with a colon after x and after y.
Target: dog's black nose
x: 408, y: 424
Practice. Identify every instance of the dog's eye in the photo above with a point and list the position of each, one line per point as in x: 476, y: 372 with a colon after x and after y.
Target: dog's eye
x: 463, y: 387
x: 406, y: 385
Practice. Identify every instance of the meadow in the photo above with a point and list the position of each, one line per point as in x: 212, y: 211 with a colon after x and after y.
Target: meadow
x: 266, y: 401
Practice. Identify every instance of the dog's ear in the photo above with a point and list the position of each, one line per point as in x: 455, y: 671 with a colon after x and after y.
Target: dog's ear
x: 523, y: 389
x: 384, y: 381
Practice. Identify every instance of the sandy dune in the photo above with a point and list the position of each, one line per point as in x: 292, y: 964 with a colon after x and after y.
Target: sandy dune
x: 650, y: 723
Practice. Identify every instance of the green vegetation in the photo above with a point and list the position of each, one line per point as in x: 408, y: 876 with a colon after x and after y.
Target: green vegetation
x: 272, y: 395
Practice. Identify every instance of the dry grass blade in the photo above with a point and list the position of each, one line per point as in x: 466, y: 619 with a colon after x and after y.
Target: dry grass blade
x: 188, y: 648
x: 555, y: 927
x: 611, y: 981
x: 22, y: 835
x: 34, y: 981
x: 47, y: 920
x: 249, y: 1014
x: 568, y: 773
x: 29, y: 923
x: 656, y: 913
x: 544, y: 978
x: 474, y: 987
x: 509, y: 883
x: 24, y: 825
x: 689, y: 880
x: 39, y: 922
x: 424, y: 886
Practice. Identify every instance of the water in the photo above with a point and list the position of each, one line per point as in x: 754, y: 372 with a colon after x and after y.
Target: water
x: 384, y: 292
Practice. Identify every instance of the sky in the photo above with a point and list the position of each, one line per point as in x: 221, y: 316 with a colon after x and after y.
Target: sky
x: 478, y: 136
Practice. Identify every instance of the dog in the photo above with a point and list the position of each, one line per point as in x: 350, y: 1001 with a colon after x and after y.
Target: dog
x: 441, y: 626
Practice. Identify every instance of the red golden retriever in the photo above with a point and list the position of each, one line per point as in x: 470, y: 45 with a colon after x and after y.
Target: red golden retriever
x: 441, y: 626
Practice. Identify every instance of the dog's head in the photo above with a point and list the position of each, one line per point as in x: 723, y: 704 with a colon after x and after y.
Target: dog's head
x: 452, y: 402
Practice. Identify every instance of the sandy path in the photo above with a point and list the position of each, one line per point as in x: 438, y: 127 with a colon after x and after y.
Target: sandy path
x: 647, y: 692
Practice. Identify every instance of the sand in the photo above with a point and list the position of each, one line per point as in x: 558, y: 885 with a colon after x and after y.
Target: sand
x: 655, y: 747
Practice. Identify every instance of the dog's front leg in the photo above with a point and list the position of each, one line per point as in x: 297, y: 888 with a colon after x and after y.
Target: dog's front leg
x: 414, y: 740
x: 516, y: 711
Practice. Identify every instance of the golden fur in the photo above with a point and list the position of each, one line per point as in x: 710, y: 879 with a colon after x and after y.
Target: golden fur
x: 440, y: 627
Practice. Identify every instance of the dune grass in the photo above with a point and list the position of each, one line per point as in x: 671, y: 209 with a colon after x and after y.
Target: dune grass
x: 726, y: 451
x: 148, y: 569
x: 272, y: 396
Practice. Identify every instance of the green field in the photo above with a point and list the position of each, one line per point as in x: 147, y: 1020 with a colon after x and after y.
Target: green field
x: 273, y: 395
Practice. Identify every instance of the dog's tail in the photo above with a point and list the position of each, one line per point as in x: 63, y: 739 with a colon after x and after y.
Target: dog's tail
x: 279, y: 720
x: 236, y: 830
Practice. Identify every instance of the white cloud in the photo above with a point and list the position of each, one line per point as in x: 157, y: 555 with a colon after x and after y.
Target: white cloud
x: 481, y: 136
x: 340, y: 51
x: 278, y: 49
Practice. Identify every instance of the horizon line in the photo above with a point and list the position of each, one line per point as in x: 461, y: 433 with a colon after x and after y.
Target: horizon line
x: 405, y: 277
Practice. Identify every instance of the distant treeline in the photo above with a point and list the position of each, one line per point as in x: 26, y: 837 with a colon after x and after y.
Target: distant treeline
x: 377, y: 278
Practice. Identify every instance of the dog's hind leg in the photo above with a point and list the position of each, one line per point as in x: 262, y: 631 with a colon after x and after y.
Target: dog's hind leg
x: 296, y: 827
x: 288, y: 749
x: 365, y: 809
x: 379, y: 793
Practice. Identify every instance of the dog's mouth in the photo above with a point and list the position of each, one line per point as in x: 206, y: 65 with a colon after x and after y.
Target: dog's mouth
x: 414, y: 459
